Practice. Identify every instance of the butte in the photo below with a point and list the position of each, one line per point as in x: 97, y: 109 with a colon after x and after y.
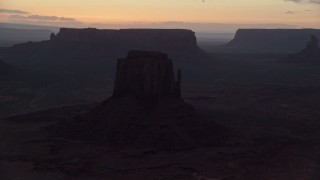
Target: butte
x: 145, y: 111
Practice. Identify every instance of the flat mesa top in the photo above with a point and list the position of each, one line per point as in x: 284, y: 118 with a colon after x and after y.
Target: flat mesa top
x: 135, y: 54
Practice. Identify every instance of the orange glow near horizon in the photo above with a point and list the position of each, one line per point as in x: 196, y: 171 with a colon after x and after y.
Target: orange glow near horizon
x: 152, y: 11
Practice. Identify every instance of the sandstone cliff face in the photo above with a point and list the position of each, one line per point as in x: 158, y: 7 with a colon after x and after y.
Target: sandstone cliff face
x: 146, y: 109
x: 140, y: 37
x: 146, y: 75
x: 95, y: 51
x: 177, y: 43
x: 271, y: 40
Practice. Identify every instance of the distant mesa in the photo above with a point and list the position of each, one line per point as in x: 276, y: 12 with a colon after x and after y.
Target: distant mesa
x: 311, y: 53
x: 180, y: 44
x: 270, y: 40
x: 90, y: 49
x: 145, y: 111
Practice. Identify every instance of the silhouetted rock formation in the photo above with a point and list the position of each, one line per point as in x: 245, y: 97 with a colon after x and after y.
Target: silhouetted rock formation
x: 270, y: 40
x: 146, y: 75
x: 146, y: 109
x: 310, y: 54
x: 178, y: 85
x: 52, y: 36
x: 179, y: 44
x: 93, y: 50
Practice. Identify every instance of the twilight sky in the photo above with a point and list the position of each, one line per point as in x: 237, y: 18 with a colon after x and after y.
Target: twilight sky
x: 140, y: 13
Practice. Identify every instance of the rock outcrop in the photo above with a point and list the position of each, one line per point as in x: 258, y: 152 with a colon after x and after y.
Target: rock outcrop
x: 270, y: 40
x: 95, y: 51
x: 179, y: 44
x: 145, y: 111
x: 310, y: 54
x: 146, y: 75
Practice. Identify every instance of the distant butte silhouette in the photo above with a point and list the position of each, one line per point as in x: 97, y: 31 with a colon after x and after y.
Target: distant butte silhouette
x: 270, y: 40
x: 95, y: 51
x: 145, y: 110
x: 178, y: 43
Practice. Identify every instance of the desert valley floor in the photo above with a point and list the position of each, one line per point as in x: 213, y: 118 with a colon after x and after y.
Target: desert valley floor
x: 266, y: 125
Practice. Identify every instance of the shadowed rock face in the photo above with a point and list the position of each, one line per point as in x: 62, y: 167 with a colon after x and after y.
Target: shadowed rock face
x: 146, y: 109
x: 271, y: 40
x: 146, y: 75
x: 313, y: 44
x: 95, y: 51
x: 179, y: 44
x: 140, y: 37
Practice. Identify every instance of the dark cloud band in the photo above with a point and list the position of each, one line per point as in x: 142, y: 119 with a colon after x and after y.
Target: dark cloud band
x: 42, y: 18
x: 307, y: 1
x: 12, y: 11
